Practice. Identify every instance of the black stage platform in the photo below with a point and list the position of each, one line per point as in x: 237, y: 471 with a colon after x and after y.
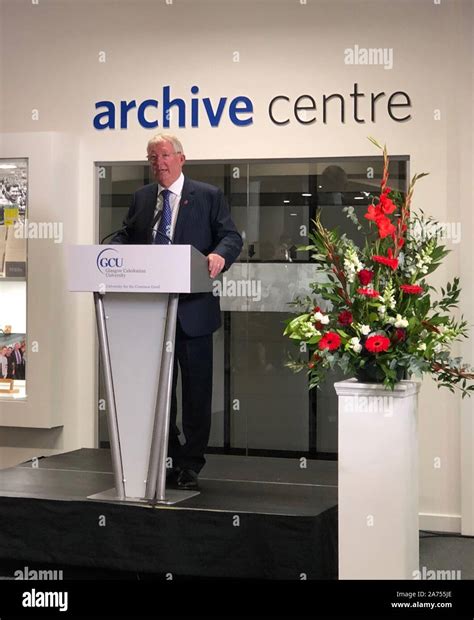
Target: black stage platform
x: 255, y: 517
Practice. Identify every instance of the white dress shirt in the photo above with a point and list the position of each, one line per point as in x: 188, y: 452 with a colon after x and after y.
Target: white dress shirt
x: 3, y: 366
x: 176, y: 190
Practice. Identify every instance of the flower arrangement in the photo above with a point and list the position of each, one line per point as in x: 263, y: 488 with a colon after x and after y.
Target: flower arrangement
x: 373, y: 314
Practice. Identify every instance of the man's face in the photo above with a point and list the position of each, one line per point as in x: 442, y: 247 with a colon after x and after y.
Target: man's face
x: 3, y: 351
x: 165, y: 163
x: 17, y: 346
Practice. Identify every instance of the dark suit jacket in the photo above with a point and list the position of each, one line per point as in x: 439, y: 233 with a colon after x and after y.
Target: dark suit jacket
x: 11, y: 366
x: 203, y: 221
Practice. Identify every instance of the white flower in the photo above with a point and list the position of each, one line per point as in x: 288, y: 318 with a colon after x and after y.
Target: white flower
x: 382, y: 309
x: 400, y: 321
x: 321, y: 318
x: 422, y: 346
x: 352, y: 264
x: 355, y: 344
x: 389, y: 296
x: 391, y: 320
x: 365, y: 330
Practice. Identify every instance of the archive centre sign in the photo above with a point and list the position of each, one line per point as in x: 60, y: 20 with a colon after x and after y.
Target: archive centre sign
x: 355, y: 105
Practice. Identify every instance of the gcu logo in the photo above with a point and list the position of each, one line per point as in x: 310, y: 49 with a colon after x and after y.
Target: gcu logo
x: 108, y: 261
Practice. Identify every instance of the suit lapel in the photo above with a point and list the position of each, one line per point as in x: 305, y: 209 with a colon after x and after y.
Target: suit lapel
x: 150, y: 211
x: 187, y: 197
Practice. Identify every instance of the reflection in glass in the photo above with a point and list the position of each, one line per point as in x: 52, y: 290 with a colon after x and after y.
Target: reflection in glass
x: 13, y: 205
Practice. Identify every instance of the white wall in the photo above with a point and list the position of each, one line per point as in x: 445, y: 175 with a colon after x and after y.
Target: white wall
x: 54, y: 392
x: 286, y: 48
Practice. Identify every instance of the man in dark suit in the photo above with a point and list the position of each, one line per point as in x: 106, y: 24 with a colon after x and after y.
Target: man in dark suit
x: 18, y: 359
x: 182, y: 211
x: 10, y: 364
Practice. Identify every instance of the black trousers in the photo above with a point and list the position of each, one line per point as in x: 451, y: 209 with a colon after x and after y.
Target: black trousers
x: 194, y: 356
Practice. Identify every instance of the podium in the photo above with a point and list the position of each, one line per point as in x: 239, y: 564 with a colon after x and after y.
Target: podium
x: 136, y: 290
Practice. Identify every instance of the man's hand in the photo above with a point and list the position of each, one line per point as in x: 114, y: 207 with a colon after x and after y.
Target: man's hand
x: 216, y: 264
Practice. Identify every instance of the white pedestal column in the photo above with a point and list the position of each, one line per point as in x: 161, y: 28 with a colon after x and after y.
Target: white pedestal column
x: 378, y: 480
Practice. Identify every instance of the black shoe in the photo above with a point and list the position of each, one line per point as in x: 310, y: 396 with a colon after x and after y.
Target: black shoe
x: 188, y: 479
x: 172, y: 476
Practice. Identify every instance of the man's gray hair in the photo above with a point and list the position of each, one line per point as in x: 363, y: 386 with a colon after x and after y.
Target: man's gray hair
x: 166, y: 137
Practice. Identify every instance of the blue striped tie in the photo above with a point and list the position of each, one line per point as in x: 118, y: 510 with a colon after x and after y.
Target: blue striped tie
x: 163, y: 234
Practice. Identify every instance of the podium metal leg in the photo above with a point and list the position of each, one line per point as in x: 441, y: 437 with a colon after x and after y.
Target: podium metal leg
x: 154, y: 467
x: 110, y: 394
x: 156, y: 480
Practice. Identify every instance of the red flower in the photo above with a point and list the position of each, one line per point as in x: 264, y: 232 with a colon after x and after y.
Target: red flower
x: 374, y: 213
x: 399, y: 334
x: 330, y: 341
x: 385, y: 227
x: 378, y: 214
x: 387, y: 205
x: 389, y: 261
x: 377, y: 343
x: 411, y: 289
x: 345, y: 317
x: 316, y: 309
x: 365, y: 276
x: 368, y: 292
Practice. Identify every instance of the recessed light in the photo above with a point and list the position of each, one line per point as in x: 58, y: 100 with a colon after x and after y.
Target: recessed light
x: 306, y: 194
x: 286, y: 201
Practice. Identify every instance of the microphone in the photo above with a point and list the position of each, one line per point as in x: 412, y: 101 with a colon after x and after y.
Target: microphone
x: 128, y: 223
x: 131, y: 221
x: 111, y: 234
